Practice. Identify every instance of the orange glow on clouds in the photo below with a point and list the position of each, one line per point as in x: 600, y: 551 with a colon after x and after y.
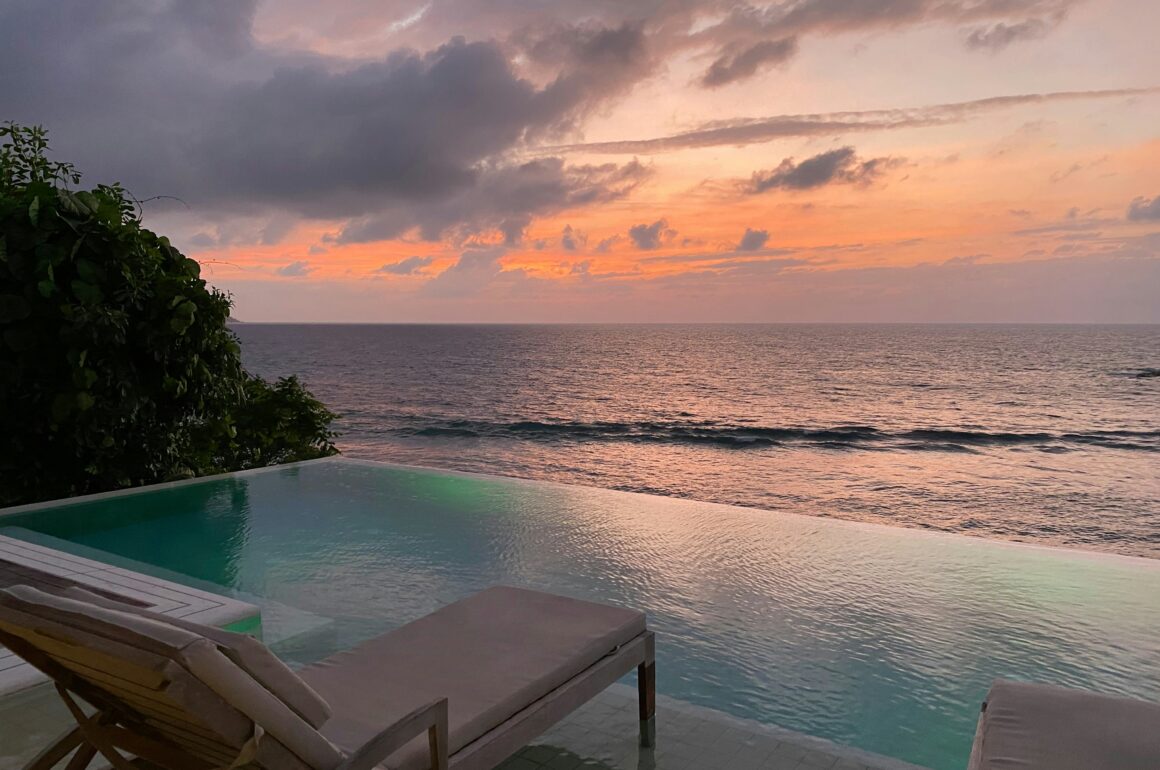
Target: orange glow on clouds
x: 1042, y: 183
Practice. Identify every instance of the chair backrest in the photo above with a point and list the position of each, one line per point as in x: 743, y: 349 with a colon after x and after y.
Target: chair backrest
x: 207, y: 692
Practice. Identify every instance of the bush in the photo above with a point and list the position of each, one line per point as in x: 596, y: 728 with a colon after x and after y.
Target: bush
x: 117, y: 367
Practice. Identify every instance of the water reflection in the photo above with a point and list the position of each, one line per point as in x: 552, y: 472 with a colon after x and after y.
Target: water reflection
x: 882, y: 638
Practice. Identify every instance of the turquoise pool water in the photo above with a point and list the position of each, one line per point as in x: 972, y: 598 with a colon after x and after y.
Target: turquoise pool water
x: 877, y: 637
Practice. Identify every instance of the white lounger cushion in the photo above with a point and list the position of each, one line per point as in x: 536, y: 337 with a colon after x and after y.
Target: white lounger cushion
x: 248, y: 653
x: 157, y: 644
x: 1042, y: 727
x: 491, y: 655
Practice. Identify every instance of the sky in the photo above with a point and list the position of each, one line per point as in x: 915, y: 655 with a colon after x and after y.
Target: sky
x: 622, y: 160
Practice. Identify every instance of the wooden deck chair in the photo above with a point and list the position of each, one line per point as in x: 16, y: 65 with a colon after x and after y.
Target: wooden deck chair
x: 464, y: 687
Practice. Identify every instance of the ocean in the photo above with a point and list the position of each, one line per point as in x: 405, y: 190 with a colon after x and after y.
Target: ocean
x: 1047, y: 434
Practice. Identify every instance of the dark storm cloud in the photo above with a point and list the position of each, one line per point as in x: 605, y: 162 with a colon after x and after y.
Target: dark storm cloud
x: 178, y: 98
x: 999, y: 23
x: 731, y: 67
x: 593, y: 61
x: 648, y: 237
x: 674, y: 27
x: 408, y: 266
x: 1144, y: 210
x: 753, y: 240
x: 504, y: 198
x: 840, y: 166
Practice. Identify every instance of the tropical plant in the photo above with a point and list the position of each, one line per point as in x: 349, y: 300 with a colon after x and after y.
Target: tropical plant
x: 117, y: 367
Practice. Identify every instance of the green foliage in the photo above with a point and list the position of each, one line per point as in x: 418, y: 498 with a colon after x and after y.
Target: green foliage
x: 117, y: 367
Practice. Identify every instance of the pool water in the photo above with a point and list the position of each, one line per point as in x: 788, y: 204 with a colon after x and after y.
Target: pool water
x: 881, y: 638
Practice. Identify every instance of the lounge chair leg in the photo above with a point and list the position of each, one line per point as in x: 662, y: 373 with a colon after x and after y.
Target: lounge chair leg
x: 646, y: 682
x: 82, y: 758
x: 59, y: 749
x: 437, y: 738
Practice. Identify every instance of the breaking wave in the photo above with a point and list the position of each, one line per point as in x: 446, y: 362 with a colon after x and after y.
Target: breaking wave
x: 865, y: 437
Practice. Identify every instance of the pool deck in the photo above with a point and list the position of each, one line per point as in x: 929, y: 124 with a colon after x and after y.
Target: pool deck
x: 601, y: 735
x: 50, y: 570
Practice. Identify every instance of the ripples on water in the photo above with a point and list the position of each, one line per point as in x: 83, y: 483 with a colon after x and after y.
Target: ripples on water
x: 878, y: 637
x: 1043, y: 433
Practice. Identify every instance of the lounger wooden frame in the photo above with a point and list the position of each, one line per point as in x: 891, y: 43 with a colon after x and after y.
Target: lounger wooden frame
x: 115, y: 727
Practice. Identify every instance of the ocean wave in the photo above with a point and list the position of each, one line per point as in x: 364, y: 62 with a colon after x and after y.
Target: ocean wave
x: 1143, y: 373
x: 751, y: 437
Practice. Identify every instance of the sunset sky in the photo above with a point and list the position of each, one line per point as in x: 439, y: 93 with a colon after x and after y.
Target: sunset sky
x: 601, y: 160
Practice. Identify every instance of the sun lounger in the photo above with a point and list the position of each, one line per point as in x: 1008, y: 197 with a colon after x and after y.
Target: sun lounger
x: 464, y: 687
x: 1043, y: 727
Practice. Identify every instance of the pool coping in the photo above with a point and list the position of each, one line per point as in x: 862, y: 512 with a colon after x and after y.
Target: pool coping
x: 163, y: 596
x: 1142, y: 562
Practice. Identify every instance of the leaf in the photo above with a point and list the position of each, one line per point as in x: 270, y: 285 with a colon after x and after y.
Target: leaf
x: 89, y: 203
x: 20, y: 340
x: 34, y: 212
x: 179, y: 325
x: 62, y: 406
x: 85, y: 292
x: 88, y: 272
x: 13, y: 307
x: 85, y: 401
x: 47, y: 255
x: 183, y: 316
x: 46, y: 288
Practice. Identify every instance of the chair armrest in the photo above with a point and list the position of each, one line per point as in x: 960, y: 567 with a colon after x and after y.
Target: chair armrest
x: 432, y: 718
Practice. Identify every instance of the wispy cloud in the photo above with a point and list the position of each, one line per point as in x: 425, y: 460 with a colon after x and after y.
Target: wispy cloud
x: 408, y: 266
x: 295, y: 269
x: 998, y: 36
x: 746, y: 131
x: 742, y: 64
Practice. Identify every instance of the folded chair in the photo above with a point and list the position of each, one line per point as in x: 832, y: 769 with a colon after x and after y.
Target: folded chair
x: 464, y: 687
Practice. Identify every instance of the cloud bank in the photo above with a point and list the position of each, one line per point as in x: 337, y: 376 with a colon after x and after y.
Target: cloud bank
x: 180, y: 98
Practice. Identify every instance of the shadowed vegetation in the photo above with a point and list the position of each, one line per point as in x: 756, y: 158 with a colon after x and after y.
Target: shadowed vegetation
x: 117, y: 367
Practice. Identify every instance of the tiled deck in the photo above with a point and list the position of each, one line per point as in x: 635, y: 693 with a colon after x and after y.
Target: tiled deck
x: 600, y: 736
x: 51, y: 570
x: 603, y: 736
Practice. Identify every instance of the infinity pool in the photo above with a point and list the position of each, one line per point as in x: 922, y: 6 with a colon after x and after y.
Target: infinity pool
x: 877, y: 637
